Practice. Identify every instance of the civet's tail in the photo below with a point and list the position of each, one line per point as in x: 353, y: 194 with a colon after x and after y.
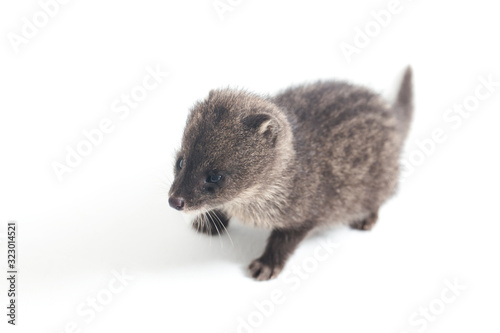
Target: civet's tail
x: 404, y: 103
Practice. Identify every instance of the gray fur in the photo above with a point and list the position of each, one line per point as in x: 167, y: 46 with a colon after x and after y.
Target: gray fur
x: 313, y: 155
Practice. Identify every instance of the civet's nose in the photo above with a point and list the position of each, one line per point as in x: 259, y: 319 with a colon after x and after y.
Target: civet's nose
x: 177, y: 203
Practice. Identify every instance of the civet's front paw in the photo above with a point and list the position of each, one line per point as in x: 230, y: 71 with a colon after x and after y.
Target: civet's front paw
x: 211, y: 223
x: 262, y: 270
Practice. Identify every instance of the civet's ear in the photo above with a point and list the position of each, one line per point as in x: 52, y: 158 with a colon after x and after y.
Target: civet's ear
x: 263, y: 124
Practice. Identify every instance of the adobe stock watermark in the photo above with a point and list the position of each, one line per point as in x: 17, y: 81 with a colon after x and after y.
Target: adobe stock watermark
x: 291, y: 278
x: 222, y: 7
x: 88, y: 310
x: 430, y: 312
x: 121, y: 106
x: 31, y: 26
x: 453, y: 118
x: 363, y: 36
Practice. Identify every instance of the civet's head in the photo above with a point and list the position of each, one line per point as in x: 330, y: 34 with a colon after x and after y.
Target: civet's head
x: 231, y: 142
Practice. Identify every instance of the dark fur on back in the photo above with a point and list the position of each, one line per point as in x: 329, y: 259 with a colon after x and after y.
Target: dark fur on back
x: 312, y: 155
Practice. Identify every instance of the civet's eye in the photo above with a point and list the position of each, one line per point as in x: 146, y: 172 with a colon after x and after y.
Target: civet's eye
x: 180, y: 163
x: 214, y: 178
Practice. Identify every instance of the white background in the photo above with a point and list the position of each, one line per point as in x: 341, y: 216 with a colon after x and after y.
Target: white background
x: 111, y: 212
